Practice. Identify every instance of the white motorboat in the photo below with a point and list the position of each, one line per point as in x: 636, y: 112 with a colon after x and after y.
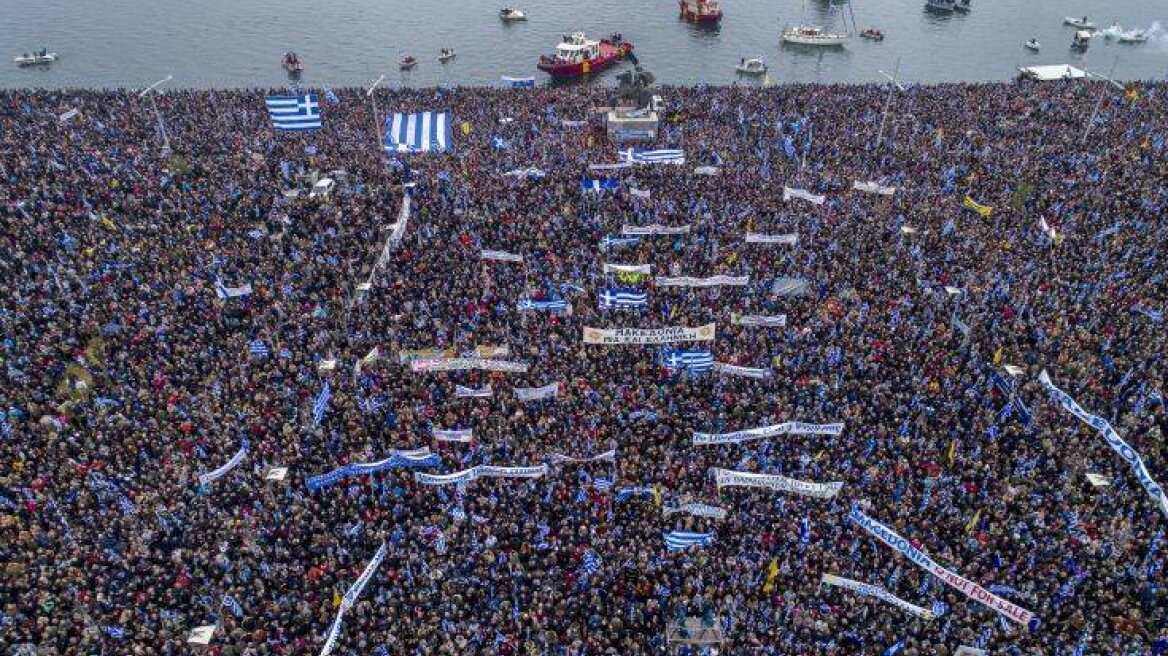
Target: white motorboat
x: 941, y: 5
x: 446, y: 54
x: 42, y: 58
x: 1081, y: 41
x: 1034, y: 45
x: 1135, y: 36
x: 751, y: 67
x: 962, y: 6
x: 807, y: 35
x: 510, y: 14
x: 1080, y: 23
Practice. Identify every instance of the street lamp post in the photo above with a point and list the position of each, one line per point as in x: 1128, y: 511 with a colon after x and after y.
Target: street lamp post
x: 373, y: 102
x: 1099, y: 102
x: 157, y: 114
x: 893, y: 85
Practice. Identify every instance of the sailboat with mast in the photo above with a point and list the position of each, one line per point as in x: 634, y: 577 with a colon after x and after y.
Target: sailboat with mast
x: 805, y: 34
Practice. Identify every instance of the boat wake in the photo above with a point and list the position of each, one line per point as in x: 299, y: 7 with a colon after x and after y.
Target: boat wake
x: 1155, y: 34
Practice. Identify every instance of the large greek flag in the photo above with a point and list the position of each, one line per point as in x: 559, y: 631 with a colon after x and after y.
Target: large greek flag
x: 613, y: 297
x: 422, y: 132
x: 678, y: 540
x: 696, y: 361
x: 636, y: 156
x: 294, y: 112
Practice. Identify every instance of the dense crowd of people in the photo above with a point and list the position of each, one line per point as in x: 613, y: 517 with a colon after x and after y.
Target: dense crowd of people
x: 127, y: 374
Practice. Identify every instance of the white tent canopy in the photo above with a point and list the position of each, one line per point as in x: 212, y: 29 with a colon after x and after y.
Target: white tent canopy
x: 1052, y: 72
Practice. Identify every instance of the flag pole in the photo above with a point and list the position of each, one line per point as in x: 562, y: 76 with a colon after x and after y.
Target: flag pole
x: 893, y: 86
x: 158, y: 114
x: 373, y: 103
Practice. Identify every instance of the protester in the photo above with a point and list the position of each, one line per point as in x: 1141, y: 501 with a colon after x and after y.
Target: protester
x: 130, y: 370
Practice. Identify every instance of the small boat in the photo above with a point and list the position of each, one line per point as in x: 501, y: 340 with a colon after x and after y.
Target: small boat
x: 700, y: 11
x: 1081, y: 41
x: 578, y: 55
x: 446, y: 54
x: 941, y: 5
x: 1080, y: 23
x: 292, y: 63
x: 751, y: 67
x: 872, y: 33
x: 407, y: 63
x: 1135, y: 36
x: 42, y: 58
x: 1033, y: 44
x: 807, y: 35
x: 509, y: 14
x: 962, y: 6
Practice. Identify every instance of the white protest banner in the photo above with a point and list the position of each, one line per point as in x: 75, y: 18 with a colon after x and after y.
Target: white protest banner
x: 729, y: 478
x: 453, y: 434
x: 654, y: 229
x: 406, y: 356
x: 482, y: 351
x: 558, y: 458
x: 1013, y: 370
x: 527, y: 394
x: 223, y: 291
x: 789, y: 193
x: 1098, y: 480
x: 201, y: 635
x: 277, y: 474
x: 64, y: 118
x: 712, y: 281
x: 759, y: 238
x: 481, y: 471
x: 964, y: 586
x: 640, y: 193
x: 869, y: 590
x: 465, y: 364
x: 777, y: 321
x: 646, y: 269
x: 873, y: 188
x: 1113, y: 440
x: 696, y: 509
x: 744, y: 372
x: 500, y: 256
x: 667, y: 335
x: 219, y: 473
x: 785, y: 428
x: 966, y: 650
x: 461, y: 392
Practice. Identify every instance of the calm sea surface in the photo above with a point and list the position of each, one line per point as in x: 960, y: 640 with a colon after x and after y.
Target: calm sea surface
x: 239, y: 43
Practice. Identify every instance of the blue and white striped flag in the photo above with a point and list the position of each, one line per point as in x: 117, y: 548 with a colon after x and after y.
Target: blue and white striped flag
x: 321, y: 403
x: 678, y: 540
x: 695, y: 361
x: 597, y: 185
x: 520, y: 83
x: 115, y: 632
x: 554, y: 305
x: 233, y: 605
x: 257, y: 348
x: 422, y: 132
x: 665, y: 156
x: 330, y: 96
x: 894, y: 649
x: 602, y: 484
x: 612, y: 297
x: 301, y: 112
x: 591, y: 562
x: 618, y: 240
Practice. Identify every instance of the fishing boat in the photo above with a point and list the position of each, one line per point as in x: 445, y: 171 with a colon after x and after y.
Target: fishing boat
x: 807, y: 35
x: 578, y: 55
x: 1033, y: 44
x: 962, y: 6
x: 42, y: 58
x: 1081, y: 40
x: 446, y: 54
x: 945, y: 6
x: 1135, y: 36
x: 751, y: 67
x: 510, y: 14
x: 1080, y: 23
x: 872, y: 33
x: 292, y: 63
x: 700, y: 11
x: 407, y: 62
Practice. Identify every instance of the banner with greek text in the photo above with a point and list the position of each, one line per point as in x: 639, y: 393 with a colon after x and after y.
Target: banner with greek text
x: 406, y: 356
x: 500, y: 256
x: 966, y: 587
x: 712, y: 281
x: 789, y: 193
x: 646, y: 269
x: 527, y: 394
x: 729, y: 478
x: 758, y: 238
x: 696, y: 509
x: 558, y: 458
x: 873, y: 188
x: 743, y: 372
x: 219, y: 473
x: 785, y: 428
x: 654, y: 229
x: 453, y: 434
x: 777, y: 321
x: 481, y: 471
x: 1113, y: 440
x: 461, y: 392
x: 464, y: 364
x: 869, y: 590
x: 667, y: 335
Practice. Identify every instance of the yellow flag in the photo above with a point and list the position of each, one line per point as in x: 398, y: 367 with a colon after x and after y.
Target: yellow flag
x: 466, y: 127
x: 952, y: 452
x: 972, y: 524
x: 336, y: 599
x: 772, y: 574
x: 998, y: 356
x: 984, y: 211
x: 656, y: 496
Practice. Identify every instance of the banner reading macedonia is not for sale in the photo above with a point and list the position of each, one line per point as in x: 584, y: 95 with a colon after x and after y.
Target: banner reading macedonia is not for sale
x: 665, y: 335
